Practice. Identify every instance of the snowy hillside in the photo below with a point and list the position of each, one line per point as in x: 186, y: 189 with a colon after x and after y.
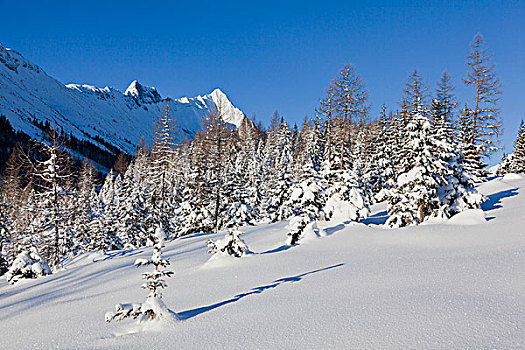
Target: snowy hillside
x: 452, y: 285
x: 27, y: 93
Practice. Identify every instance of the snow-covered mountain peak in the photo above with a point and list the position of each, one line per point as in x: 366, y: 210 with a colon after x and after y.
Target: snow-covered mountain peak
x: 28, y: 97
x: 142, y: 93
x: 230, y: 113
x: 13, y: 60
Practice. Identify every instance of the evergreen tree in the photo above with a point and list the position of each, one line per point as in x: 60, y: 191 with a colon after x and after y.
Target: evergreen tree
x: 215, y: 147
x: 278, y: 177
x: 53, y: 178
x: 381, y: 175
x: 415, y: 193
x: 27, y: 265
x: 484, y: 124
x: 350, y: 97
x: 231, y: 245
x: 83, y: 211
x: 162, y: 159
x: 517, y: 163
x: 153, y: 308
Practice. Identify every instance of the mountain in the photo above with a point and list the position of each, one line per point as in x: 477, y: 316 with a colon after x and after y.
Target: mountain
x: 103, y: 116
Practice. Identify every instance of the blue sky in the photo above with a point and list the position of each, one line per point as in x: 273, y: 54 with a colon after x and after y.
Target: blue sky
x: 268, y: 55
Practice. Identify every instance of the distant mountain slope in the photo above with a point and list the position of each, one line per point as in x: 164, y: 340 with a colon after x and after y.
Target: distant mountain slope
x: 28, y: 95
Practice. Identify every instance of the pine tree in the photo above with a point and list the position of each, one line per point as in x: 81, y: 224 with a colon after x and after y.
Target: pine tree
x: 517, y: 164
x: 278, y: 177
x: 350, y: 97
x: 162, y: 158
x: 4, y: 237
x: 153, y: 308
x: 415, y: 193
x: 194, y: 212
x: 471, y: 159
x: 83, y: 212
x: 54, y: 182
x: 27, y: 265
x: 216, y: 152
x: 231, y: 245
x: 484, y: 122
x: 381, y: 174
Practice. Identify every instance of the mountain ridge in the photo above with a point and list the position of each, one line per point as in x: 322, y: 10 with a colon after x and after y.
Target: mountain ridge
x: 29, y: 96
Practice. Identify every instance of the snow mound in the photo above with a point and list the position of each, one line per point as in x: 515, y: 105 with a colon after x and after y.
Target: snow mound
x: 468, y: 217
x: 513, y: 176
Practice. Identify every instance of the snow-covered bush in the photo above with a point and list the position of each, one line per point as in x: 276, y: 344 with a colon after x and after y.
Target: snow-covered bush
x: 296, y: 227
x: 240, y: 214
x: 27, y: 265
x: 346, y: 200
x: 153, y: 308
x: 231, y: 245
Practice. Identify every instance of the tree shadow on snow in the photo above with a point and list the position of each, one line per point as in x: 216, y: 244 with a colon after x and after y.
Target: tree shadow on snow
x: 184, y: 315
x: 281, y: 248
x: 376, y: 219
x: 494, y: 200
x: 108, y: 255
x: 193, y: 235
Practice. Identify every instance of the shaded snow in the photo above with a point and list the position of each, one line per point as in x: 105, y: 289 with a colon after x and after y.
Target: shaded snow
x: 429, y: 287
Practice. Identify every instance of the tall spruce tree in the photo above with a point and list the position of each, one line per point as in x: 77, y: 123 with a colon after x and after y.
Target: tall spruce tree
x: 517, y: 163
x: 485, y: 125
x: 414, y: 196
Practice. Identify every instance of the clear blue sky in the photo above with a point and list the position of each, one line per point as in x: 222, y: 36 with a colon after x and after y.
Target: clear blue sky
x: 268, y: 55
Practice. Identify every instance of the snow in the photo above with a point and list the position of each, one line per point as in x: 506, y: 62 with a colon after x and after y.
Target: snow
x: 122, y: 119
x: 468, y: 217
x: 437, y: 286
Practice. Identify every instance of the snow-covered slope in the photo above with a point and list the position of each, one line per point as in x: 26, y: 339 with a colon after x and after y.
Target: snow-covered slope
x: 27, y: 93
x: 454, y: 285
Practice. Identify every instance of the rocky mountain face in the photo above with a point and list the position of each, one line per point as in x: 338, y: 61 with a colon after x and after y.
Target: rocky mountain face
x: 30, y: 98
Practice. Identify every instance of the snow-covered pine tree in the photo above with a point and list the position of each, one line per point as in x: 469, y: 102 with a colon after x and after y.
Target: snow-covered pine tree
x: 351, y: 106
x: 484, y: 123
x: 53, y: 179
x: 278, y: 176
x: 83, y: 210
x: 153, y: 308
x: 4, y: 237
x: 236, y: 188
x: 517, y: 163
x: 381, y: 174
x: 471, y: 160
x: 307, y: 197
x: 456, y: 192
x: 103, y: 227
x: 162, y: 159
x: 326, y: 112
x: 414, y: 196
x: 132, y: 213
x: 216, y: 150
x: 246, y: 176
x: 27, y: 265
x: 194, y: 212
x: 231, y: 245
x: 504, y: 165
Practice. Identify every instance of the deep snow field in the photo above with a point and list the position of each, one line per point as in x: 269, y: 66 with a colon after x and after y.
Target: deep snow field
x: 453, y: 285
